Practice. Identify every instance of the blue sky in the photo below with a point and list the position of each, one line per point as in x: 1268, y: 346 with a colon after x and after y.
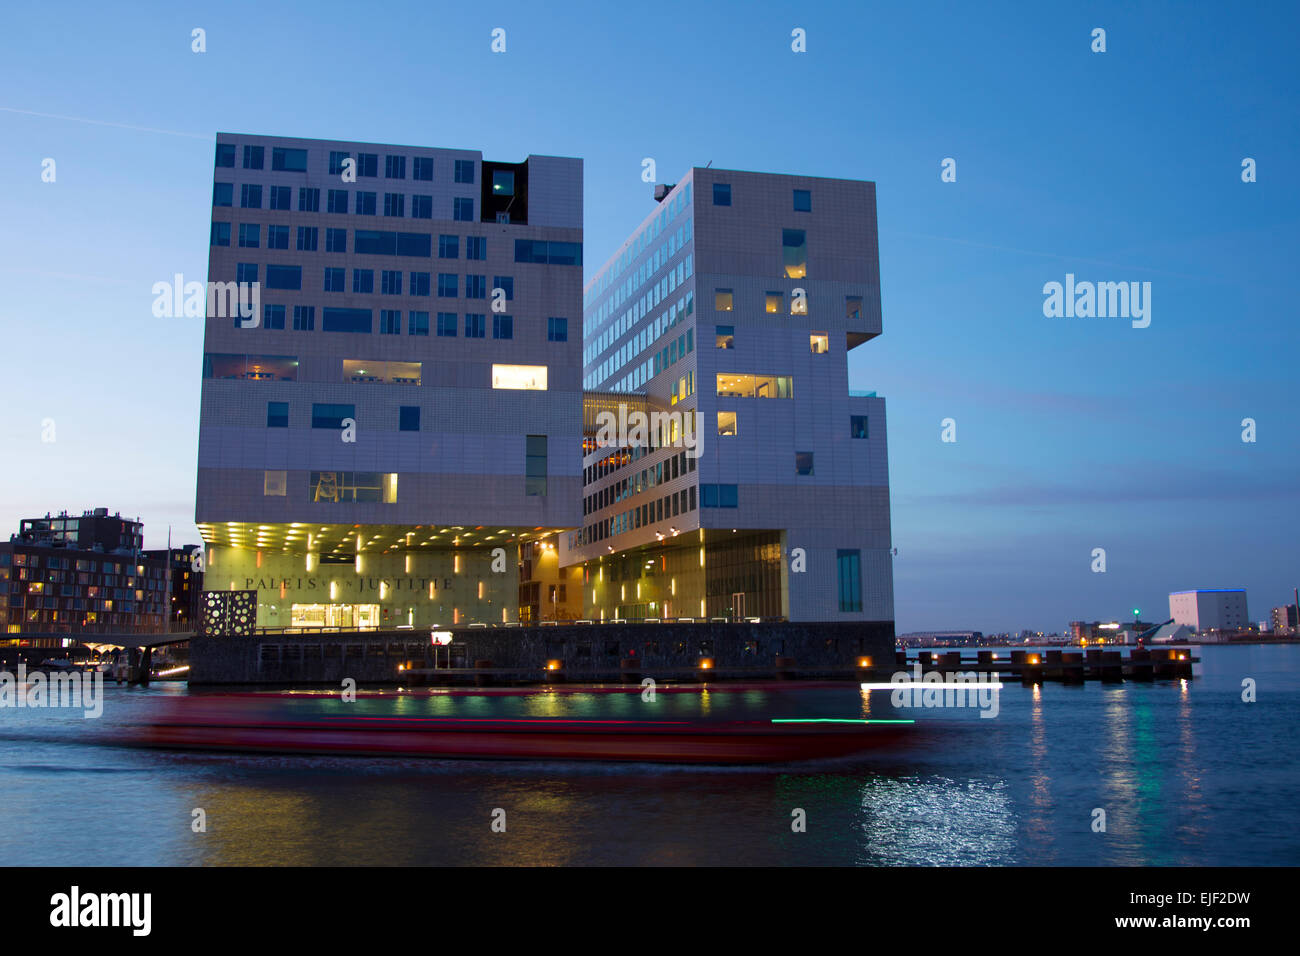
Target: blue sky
x: 1072, y: 434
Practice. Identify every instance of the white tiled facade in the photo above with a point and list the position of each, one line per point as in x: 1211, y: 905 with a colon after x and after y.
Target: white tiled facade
x: 461, y: 474
x: 660, y: 293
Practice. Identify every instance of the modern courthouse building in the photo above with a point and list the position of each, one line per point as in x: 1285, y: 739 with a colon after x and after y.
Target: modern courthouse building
x: 408, y: 430
x: 739, y: 300
x: 409, y: 398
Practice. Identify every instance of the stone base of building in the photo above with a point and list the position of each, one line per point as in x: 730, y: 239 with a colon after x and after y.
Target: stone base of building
x: 577, y: 652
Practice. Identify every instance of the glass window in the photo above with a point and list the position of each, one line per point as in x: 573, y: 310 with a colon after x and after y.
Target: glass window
x: 557, y: 329
x: 503, y: 182
x: 334, y: 279
x: 725, y: 336
x: 722, y: 300
x: 727, y: 423
x: 336, y: 162
x: 858, y: 426
x: 284, y: 277
x: 249, y: 235
x: 368, y: 164
x: 475, y: 325
x: 250, y: 196
x: 331, y: 416
x: 273, y: 316
x: 774, y: 302
x: 394, y: 167
x: 220, y: 234
x: 289, y: 160
x: 420, y: 283
x: 408, y: 418
x: 226, y: 155
x: 308, y: 199
x: 475, y: 247
x: 418, y: 323
x: 304, y: 318
x: 223, y: 194
x: 850, y: 575
x: 475, y: 287
x: 722, y: 194
x: 363, y: 281
x: 535, y: 465
x: 507, y: 283
x: 503, y: 327
x: 394, y: 205
x: 274, y: 483
x: 277, y: 237
x: 803, y: 463
x: 307, y: 238
x: 254, y: 157
x: 794, y: 244
x: 449, y: 247
x: 345, y: 487
x: 462, y: 209
x: 448, y: 285
x: 802, y: 200
x: 447, y: 324
x: 390, y: 282
x: 421, y: 207
x: 367, y: 204
x: 346, y: 320
x: 464, y: 170
x: 277, y: 414
x: 819, y: 343
x: 853, y: 306
x: 529, y: 377
x: 336, y: 200
x: 422, y: 169
x: 390, y: 323
x: 281, y: 197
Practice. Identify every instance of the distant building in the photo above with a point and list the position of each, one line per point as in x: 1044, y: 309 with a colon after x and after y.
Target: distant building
x: 1210, y: 610
x: 79, y: 574
x: 937, y: 638
x: 1106, y: 632
x: 186, y: 581
x: 547, y: 592
x: 1285, y: 619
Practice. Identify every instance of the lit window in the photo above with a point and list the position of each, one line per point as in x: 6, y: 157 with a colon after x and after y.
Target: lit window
x: 726, y: 336
x: 722, y: 300
x: 774, y: 302
x: 858, y: 426
x: 503, y: 182
x: 274, y: 483
x: 727, y: 423
x: 528, y: 377
x: 794, y: 243
x: 819, y: 343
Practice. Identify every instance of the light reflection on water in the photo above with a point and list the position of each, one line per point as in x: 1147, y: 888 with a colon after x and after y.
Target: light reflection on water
x: 1187, y: 774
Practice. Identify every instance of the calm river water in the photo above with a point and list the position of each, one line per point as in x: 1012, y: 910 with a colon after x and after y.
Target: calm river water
x: 1186, y: 771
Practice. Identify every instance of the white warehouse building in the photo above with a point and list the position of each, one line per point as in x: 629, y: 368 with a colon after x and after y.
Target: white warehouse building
x: 1210, y: 610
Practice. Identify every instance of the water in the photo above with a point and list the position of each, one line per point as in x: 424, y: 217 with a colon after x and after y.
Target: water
x: 1186, y: 772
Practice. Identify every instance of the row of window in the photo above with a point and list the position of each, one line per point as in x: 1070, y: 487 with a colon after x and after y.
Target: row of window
x: 366, y: 242
x: 802, y: 199
x: 366, y: 164
x: 338, y: 201
x: 724, y: 337
x: 727, y: 428
x: 284, y: 368
x: 652, y: 512
x: 724, y: 300
x: 670, y: 468
x: 638, y: 244
x: 275, y: 317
